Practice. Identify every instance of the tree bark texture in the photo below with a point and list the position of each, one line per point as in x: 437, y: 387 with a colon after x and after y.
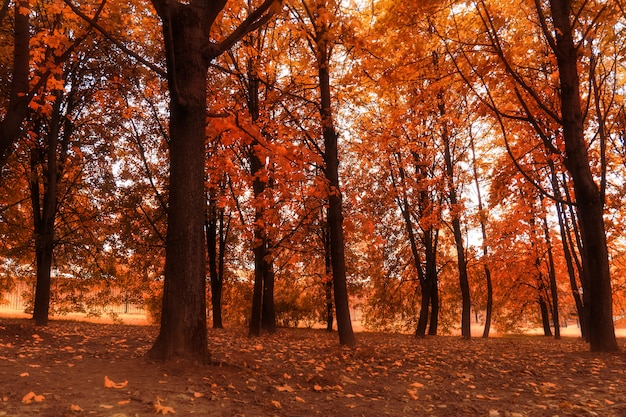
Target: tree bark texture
x: 183, y: 331
x: 334, y: 212
x: 589, y: 201
x: 17, y: 111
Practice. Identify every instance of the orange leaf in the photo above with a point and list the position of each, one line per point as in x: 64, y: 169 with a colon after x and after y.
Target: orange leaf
x: 32, y: 397
x: 108, y: 383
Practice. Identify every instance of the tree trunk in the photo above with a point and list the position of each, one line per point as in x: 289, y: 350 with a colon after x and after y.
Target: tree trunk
x: 589, y: 200
x: 334, y: 211
x: 458, y: 240
x: 328, y: 281
x: 211, y: 231
x: 44, y: 215
x: 268, y: 314
x: 17, y: 111
x: 183, y: 331
x: 554, y: 296
x: 483, y: 229
x: 434, y: 303
x: 567, y: 254
x: 545, y: 315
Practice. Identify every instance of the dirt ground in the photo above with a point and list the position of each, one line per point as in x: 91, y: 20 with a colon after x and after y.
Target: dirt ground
x: 60, y: 370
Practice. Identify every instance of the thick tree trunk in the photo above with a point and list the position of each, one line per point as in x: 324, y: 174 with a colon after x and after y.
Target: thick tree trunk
x: 268, y: 314
x: 183, y: 330
x: 588, y: 197
x: 17, y: 111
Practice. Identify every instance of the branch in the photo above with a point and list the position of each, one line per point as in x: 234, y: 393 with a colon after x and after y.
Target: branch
x: 160, y: 71
x: 255, y: 20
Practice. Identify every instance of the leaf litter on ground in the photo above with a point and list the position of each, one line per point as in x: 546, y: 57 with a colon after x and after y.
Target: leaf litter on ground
x: 304, y: 372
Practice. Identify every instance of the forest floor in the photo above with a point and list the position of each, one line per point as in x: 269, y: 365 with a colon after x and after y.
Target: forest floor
x: 64, y: 369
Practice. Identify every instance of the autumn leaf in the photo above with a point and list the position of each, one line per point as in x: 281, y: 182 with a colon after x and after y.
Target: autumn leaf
x: 276, y: 404
x: 31, y: 397
x: 163, y: 409
x: 284, y: 388
x: 75, y: 407
x: 108, y: 383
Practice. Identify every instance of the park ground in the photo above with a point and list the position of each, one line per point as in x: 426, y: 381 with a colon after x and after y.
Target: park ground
x: 72, y: 368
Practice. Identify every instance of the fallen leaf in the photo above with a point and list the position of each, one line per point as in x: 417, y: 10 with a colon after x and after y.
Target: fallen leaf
x: 163, y: 409
x: 23, y: 374
x: 123, y: 402
x: 317, y: 388
x: 108, y: 383
x: 32, y: 397
x: 276, y: 404
x: 284, y: 388
x: 300, y: 400
x: 75, y: 407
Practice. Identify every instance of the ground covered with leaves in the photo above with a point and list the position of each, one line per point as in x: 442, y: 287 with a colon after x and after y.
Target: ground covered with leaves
x: 77, y: 368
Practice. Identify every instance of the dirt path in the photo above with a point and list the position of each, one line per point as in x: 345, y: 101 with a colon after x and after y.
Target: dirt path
x: 303, y: 373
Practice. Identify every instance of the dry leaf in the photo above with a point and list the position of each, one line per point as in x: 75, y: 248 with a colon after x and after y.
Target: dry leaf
x: 276, y: 404
x: 300, y: 399
x: 23, y: 374
x: 75, y: 407
x: 108, y: 383
x: 284, y: 388
x: 317, y: 388
x: 123, y: 402
x: 163, y: 409
x: 32, y: 397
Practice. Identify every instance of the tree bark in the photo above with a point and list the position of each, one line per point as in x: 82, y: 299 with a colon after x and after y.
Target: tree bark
x: 589, y: 200
x: 183, y: 331
x: 215, y: 273
x: 328, y: 280
x: 554, y: 295
x: 17, y: 111
x: 334, y: 211
x: 458, y: 240
x: 45, y: 207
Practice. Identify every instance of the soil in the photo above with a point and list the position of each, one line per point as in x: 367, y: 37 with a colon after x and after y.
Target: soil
x: 302, y: 372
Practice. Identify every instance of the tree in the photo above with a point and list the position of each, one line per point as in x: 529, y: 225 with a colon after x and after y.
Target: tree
x: 320, y: 36
x: 186, y: 33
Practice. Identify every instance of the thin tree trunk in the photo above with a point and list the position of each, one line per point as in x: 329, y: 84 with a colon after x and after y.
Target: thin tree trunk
x: 44, y: 216
x: 545, y: 315
x: 334, y: 211
x: 567, y: 255
x: 214, y: 276
x: 554, y: 296
x: 328, y: 283
x: 458, y: 240
x: 483, y: 229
